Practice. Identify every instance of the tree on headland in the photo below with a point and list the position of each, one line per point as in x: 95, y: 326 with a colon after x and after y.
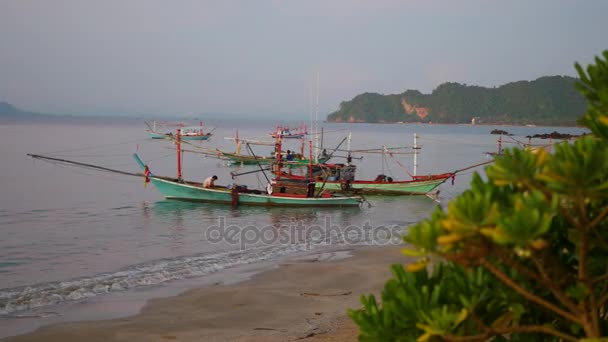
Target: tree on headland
x: 521, y: 255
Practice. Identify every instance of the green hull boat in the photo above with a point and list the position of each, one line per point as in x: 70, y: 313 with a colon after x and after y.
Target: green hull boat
x: 173, y: 188
x: 250, y: 160
x: 412, y: 187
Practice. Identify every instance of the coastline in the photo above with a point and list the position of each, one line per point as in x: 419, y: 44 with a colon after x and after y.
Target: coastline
x: 304, y: 298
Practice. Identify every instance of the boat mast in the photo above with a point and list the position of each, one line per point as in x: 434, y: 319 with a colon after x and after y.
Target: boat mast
x: 416, y: 148
x: 179, y: 154
x: 317, y: 123
x: 279, y: 158
x: 500, y: 145
x: 383, y: 157
x: 239, y: 143
x: 321, y: 145
x: 310, y: 160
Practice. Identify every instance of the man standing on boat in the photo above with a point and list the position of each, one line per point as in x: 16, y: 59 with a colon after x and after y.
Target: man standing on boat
x: 209, y: 182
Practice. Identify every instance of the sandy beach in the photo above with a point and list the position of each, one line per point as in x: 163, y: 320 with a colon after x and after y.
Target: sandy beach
x: 304, y: 299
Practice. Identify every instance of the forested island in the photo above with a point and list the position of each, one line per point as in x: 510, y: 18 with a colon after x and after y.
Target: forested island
x: 550, y: 100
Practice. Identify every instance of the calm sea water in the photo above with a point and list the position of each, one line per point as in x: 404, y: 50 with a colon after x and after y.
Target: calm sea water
x: 73, y: 234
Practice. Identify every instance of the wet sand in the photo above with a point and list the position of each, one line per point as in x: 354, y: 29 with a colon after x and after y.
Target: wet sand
x: 304, y: 299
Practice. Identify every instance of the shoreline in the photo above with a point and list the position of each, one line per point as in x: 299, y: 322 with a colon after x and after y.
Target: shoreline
x: 302, y: 298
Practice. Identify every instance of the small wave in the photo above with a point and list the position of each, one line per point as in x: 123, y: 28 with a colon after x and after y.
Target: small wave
x: 123, y: 207
x: 27, y: 298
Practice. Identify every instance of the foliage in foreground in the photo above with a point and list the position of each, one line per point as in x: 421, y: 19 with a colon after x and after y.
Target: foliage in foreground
x: 521, y: 256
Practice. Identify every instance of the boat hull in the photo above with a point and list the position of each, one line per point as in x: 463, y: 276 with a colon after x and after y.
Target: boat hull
x: 180, y: 191
x: 172, y: 189
x: 195, y: 137
x: 386, y: 188
x: 155, y: 135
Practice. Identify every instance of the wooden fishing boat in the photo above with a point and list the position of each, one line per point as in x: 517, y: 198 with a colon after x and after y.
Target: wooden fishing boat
x: 341, y: 178
x: 157, y: 129
x: 185, y: 132
x: 287, y: 158
x: 291, y: 193
x: 277, y: 194
x: 193, y: 133
x: 289, y: 133
x: 297, y: 161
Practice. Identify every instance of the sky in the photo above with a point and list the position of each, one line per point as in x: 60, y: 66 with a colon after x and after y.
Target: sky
x: 263, y: 57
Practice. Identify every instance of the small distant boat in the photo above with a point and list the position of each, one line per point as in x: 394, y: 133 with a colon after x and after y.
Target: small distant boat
x: 156, y: 128
x: 185, y: 132
x: 193, y: 133
x: 287, y: 158
x: 297, y: 161
x: 289, y: 133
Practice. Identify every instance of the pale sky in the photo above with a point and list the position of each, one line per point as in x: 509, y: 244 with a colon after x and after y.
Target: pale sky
x: 261, y: 57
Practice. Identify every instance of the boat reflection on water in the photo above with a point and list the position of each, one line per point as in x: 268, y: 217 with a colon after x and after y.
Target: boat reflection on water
x: 175, y: 211
x: 217, y: 226
x: 281, y: 226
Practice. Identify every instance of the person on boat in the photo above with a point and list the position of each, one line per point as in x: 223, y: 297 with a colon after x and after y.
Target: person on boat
x: 380, y: 178
x: 210, y: 182
x: 289, y: 156
x: 324, y: 153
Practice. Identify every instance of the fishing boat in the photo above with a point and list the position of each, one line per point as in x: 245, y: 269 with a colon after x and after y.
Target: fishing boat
x: 341, y: 178
x: 297, y: 159
x: 275, y: 195
x: 193, y: 133
x: 289, y: 133
x: 156, y: 129
x: 278, y: 193
x: 186, y: 132
x: 287, y: 158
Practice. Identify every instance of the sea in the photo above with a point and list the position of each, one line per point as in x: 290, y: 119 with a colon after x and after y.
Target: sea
x: 83, y: 244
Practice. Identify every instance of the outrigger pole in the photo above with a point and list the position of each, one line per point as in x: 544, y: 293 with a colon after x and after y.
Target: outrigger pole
x: 257, y: 161
x: 90, y: 166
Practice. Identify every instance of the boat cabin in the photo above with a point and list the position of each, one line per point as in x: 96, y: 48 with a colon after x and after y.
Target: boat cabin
x: 335, y: 172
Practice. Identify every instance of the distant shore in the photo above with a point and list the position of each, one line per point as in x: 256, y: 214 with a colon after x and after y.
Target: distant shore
x: 455, y: 124
x: 300, y: 299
